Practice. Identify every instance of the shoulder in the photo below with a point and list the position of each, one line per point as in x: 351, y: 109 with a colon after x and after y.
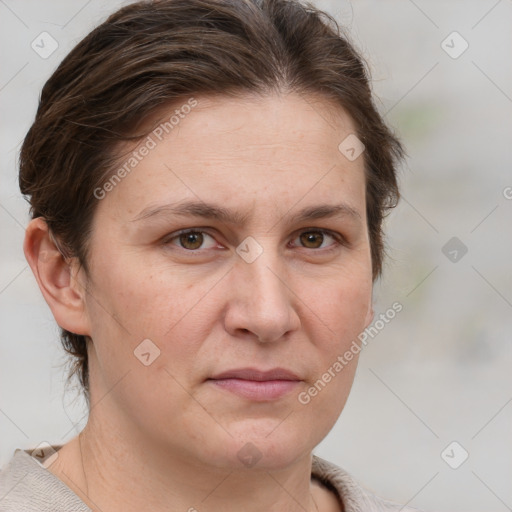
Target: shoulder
x: 354, y: 497
x: 25, y: 485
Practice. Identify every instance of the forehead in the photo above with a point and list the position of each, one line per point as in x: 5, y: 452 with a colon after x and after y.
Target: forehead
x: 267, y: 121
x: 254, y: 150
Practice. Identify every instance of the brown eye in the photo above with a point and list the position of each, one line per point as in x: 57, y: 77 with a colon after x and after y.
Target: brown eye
x: 319, y: 240
x: 312, y: 239
x: 191, y: 240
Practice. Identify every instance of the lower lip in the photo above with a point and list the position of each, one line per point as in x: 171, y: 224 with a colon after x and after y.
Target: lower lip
x: 257, y: 390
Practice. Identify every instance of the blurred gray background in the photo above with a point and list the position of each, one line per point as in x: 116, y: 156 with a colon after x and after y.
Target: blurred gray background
x: 440, y: 372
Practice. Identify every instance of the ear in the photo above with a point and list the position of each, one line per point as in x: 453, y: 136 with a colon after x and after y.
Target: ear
x: 370, y: 314
x: 57, y: 277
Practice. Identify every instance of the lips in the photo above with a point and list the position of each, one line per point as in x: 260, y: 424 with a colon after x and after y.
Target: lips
x: 257, y: 375
x: 257, y: 385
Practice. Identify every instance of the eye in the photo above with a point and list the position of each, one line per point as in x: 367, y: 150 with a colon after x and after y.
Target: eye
x: 316, y: 238
x: 191, y: 240
x: 196, y: 240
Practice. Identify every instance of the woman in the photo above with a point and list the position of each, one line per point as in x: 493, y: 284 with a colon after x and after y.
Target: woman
x: 207, y: 182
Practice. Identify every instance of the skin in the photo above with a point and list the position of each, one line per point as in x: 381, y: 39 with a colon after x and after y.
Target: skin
x: 163, y: 433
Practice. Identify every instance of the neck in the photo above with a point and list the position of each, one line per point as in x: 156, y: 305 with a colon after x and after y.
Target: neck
x: 114, y: 472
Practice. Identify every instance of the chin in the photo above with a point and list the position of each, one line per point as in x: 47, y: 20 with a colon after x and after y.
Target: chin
x: 263, y: 444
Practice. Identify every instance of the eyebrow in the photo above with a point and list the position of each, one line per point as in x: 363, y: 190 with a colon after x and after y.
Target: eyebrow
x: 221, y: 214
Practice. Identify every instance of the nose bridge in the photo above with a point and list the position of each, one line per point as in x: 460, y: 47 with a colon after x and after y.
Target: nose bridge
x: 264, y: 301
x: 267, y: 280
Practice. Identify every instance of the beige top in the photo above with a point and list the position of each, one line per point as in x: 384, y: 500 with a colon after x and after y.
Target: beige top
x: 26, y: 486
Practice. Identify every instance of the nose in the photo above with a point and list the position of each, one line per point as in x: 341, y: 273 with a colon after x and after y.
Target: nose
x: 262, y: 304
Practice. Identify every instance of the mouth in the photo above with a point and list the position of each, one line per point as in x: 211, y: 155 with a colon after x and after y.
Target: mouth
x: 257, y: 385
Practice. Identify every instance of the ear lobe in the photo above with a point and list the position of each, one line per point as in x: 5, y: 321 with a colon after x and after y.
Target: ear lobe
x: 57, y: 277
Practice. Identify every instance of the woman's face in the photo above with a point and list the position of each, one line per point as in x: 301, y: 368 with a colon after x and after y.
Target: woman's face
x: 185, y: 327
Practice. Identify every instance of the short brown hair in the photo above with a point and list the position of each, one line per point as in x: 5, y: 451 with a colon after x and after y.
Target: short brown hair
x: 152, y: 53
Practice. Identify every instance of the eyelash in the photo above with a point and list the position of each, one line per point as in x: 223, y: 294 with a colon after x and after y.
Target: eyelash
x: 339, y: 239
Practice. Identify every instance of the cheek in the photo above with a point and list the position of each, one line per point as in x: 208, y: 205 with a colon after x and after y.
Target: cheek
x: 344, y: 311
x: 141, y: 299
x: 134, y: 302
x: 341, y: 311
x: 341, y: 306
